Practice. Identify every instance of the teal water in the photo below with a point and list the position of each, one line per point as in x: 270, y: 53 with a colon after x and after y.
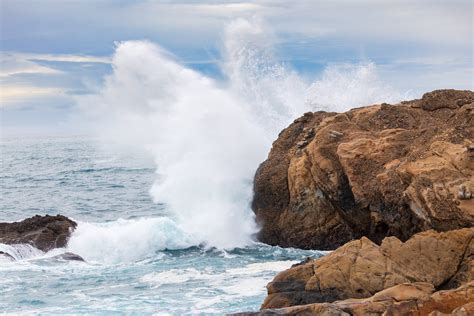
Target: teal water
x: 138, y: 261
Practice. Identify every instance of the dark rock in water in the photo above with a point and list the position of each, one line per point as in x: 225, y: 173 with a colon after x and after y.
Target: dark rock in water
x: 7, y: 256
x: 43, y: 232
x: 376, y: 171
x: 69, y: 256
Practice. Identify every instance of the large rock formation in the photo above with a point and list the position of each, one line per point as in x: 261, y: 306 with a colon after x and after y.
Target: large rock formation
x: 43, y: 232
x: 361, y: 268
x: 377, y: 171
x: 402, y: 299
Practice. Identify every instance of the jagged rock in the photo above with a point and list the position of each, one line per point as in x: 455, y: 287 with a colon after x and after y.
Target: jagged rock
x: 361, y: 268
x: 43, y: 232
x: 390, y: 170
x: 403, y: 299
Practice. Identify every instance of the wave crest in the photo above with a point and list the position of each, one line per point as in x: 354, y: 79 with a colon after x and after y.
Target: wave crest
x: 207, y: 137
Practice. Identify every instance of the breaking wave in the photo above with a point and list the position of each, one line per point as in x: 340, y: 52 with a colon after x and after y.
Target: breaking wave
x: 207, y: 136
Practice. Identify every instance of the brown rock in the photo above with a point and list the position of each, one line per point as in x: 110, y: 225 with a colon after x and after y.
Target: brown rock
x: 361, y: 268
x: 403, y: 299
x: 377, y: 171
x: 43, y: 232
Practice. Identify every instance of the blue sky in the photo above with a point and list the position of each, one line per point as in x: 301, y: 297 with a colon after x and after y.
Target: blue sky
x: 52, y: 51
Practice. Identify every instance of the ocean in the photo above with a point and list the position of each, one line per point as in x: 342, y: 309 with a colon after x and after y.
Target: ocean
x: 161, y: 190
x: 139, y: 260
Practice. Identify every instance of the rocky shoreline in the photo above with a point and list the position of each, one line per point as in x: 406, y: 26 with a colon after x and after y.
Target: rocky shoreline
x: 392, y: 188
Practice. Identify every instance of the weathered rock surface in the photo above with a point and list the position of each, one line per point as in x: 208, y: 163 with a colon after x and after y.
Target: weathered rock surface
x: 43, y: 232
x: 403, y: 299
x: 361, y: 268
x: 377, y: 171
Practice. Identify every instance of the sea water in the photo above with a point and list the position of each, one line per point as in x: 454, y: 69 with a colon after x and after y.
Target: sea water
x: 137, y: 259
x: 161, y: 190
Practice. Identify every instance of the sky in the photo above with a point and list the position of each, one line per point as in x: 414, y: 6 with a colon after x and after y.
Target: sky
x: 55, y: 50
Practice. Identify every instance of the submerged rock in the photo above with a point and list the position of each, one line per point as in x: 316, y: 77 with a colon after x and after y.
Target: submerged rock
x: 361, y: 268
x: 69, y: 256
x: 377, y: 171
x: 43, y: 232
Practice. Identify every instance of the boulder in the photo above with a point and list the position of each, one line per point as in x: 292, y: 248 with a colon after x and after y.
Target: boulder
x: 43, y: 232
x: 361, y: 268
x: 376, y: 171
x: 403, y: 299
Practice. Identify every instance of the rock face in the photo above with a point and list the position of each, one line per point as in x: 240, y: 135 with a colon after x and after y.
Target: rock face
x: 361, y: 269
x: 43, y: 232
x: 377, y: 171
x: 403, y: 299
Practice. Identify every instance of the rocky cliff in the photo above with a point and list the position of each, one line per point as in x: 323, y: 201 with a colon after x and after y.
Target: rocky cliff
x: 376, y: 171
x: 431, y: 272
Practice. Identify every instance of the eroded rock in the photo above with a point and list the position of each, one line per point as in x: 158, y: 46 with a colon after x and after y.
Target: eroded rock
x: 43, y: 232
x: 403, y: 299
x: 377, y: 171
x: 361, y: 268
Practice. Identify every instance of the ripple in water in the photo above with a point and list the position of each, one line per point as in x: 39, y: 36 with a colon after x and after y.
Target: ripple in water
x: 185, y: 246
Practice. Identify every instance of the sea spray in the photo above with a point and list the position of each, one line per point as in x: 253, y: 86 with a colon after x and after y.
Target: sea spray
x: 207, y: 137
x: 126, y: 240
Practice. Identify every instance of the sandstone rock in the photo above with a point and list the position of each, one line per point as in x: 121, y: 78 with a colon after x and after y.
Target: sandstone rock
x: 43, y: 232
x: 361, y: 268
x: 465, y: 310
x: 403, y: 299
x: 377, y: 171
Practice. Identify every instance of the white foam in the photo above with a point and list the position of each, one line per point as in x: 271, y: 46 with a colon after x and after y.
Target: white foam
x: 173, y: 276
x: 126, y: 240
x: 249, y: 280
x: 208, y: 137
x: 21, y: 251
x: 259, y: 267
x: 252, y: 279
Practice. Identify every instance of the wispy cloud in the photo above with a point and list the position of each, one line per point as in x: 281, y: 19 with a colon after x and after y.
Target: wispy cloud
x: 13, y: 95
x: 13, y: 64
x: 69, y: 58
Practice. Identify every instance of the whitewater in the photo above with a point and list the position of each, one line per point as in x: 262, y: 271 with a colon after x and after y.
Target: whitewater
x: 162, y: 184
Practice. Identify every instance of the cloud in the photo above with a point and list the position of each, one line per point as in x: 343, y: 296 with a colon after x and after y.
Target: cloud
x: 69, y: 58
x: 25, y: 78
x: 419, y: 45
x: 12, y: 64
x: 15, y: 95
